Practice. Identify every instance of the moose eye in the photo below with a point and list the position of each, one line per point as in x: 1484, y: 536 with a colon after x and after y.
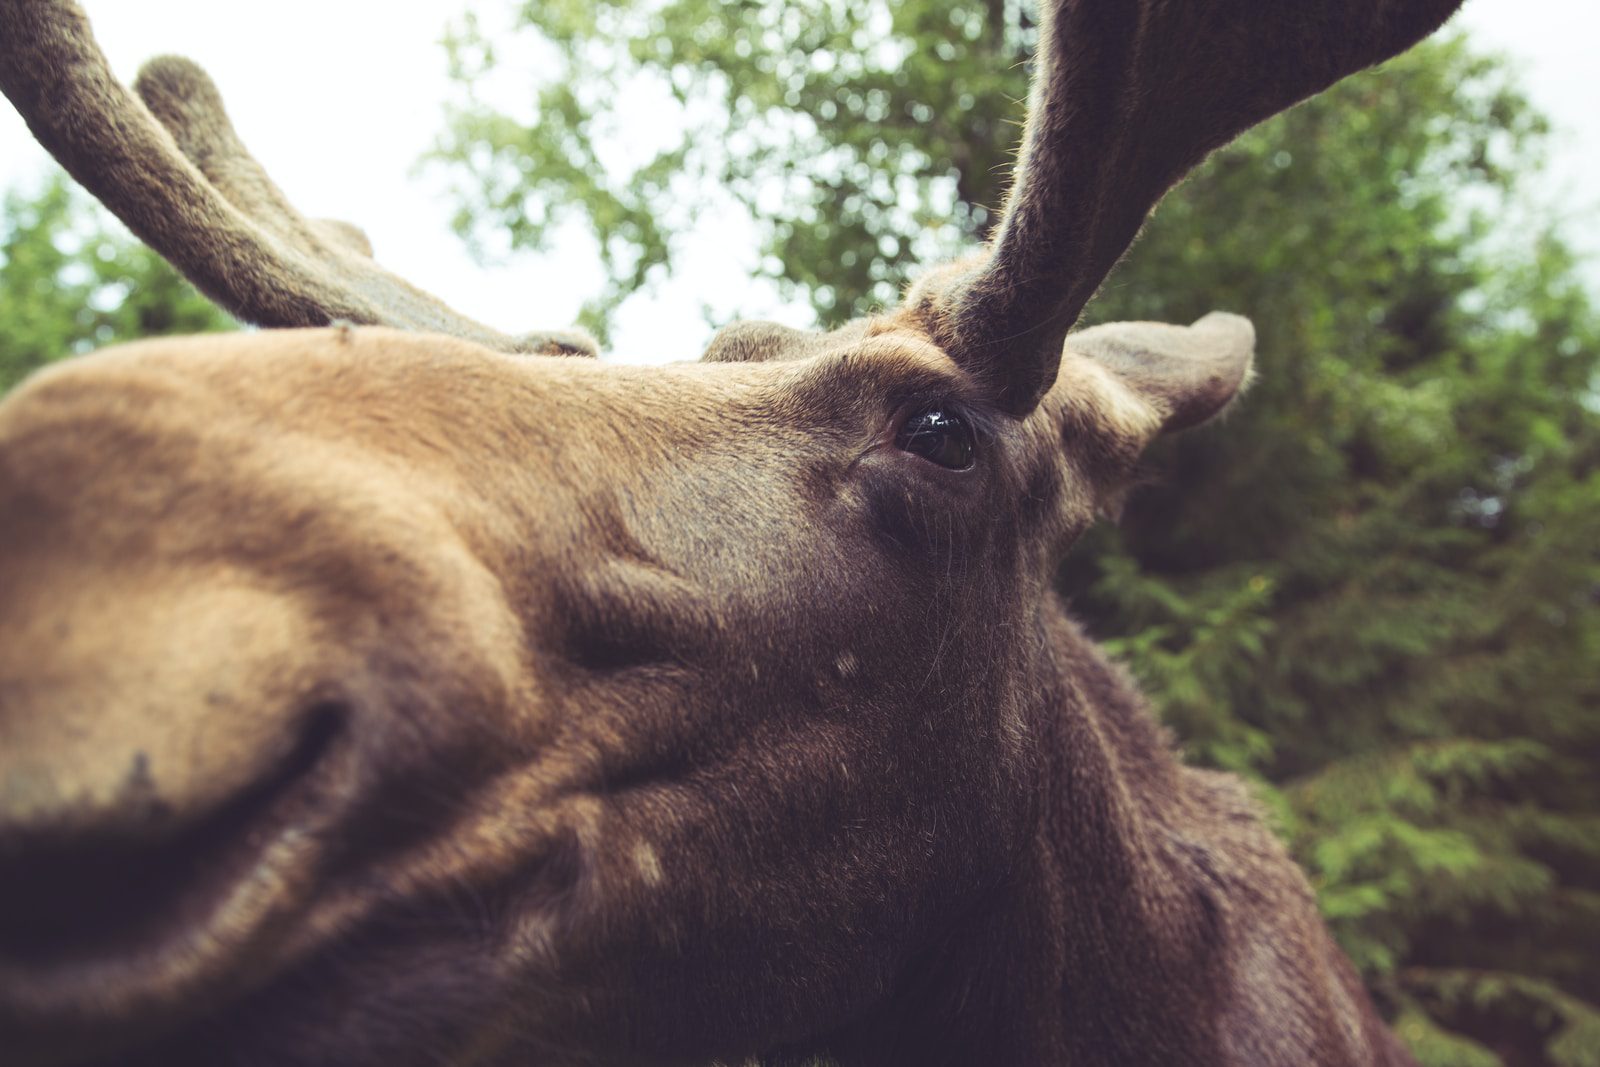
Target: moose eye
x: 938, y: 436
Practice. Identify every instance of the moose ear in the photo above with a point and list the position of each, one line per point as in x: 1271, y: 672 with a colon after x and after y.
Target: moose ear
x: 1188, y: 373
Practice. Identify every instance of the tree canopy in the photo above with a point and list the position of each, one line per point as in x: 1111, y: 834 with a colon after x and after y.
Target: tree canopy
x: 1373, y: 589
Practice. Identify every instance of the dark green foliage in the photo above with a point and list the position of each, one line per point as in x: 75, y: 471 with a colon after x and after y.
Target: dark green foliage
x: 71, y: 280
x: 1376, y: 588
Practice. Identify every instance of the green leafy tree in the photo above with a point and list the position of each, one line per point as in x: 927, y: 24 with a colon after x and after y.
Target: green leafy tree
x: 1375, y: 591
x: 71, y: 281
x: 863, y: 138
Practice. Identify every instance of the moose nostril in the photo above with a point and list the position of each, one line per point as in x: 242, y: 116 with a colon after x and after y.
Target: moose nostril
x: 85, y: 889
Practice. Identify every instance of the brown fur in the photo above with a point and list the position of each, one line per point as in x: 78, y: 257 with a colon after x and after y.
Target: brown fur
x: 677, y: 717
x: 378, y: 697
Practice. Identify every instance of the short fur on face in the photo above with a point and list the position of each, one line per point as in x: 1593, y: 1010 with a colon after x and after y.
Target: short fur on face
x: 659, y: 714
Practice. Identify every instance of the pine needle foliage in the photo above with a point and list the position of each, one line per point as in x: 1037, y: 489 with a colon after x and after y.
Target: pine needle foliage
x: 1379, y: 582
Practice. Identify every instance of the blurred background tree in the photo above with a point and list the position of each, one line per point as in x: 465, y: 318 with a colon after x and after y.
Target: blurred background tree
x: 72, y: 279
x: 1375, y: 590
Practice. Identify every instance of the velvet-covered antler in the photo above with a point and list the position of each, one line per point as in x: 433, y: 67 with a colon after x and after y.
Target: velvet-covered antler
x: 172, y: 168
x: 1128, y: 96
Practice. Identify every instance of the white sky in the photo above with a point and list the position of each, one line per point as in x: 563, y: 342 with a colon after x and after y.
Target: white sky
x: 339, y: 99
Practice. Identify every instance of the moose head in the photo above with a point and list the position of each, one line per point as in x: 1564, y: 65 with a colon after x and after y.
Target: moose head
x: 399, y: 691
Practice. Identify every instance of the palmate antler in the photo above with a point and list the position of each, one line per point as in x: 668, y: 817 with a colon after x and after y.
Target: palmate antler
x: 1129, y: 96
x: 172, y: 168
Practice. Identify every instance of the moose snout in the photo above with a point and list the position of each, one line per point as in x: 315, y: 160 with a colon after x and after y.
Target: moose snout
x: 81, y: 880
x: 161, y: 747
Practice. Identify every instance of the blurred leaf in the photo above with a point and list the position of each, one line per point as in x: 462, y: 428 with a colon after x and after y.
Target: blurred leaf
x: 72, y: 280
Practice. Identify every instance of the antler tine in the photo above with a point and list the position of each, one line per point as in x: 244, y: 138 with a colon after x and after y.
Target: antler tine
x: 1128, y: 96
x: 186, y: 101
x: 192, y: 192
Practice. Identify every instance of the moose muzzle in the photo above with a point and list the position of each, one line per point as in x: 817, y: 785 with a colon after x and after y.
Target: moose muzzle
x: 206, y: 682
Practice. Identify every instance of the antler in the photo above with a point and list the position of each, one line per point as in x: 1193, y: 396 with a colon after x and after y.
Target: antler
x: 173, y: 169
x: 1128, y: 96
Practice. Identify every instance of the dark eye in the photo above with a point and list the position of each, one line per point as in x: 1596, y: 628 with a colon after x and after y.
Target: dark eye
x: 938, y: 436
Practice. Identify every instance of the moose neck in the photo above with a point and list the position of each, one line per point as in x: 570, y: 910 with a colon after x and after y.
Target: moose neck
x: 1102, y: 945
x: 1152, y: 918
x: 1120, y: 834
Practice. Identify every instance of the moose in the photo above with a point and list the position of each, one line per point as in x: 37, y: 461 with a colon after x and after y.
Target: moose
x: 384, y: 689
